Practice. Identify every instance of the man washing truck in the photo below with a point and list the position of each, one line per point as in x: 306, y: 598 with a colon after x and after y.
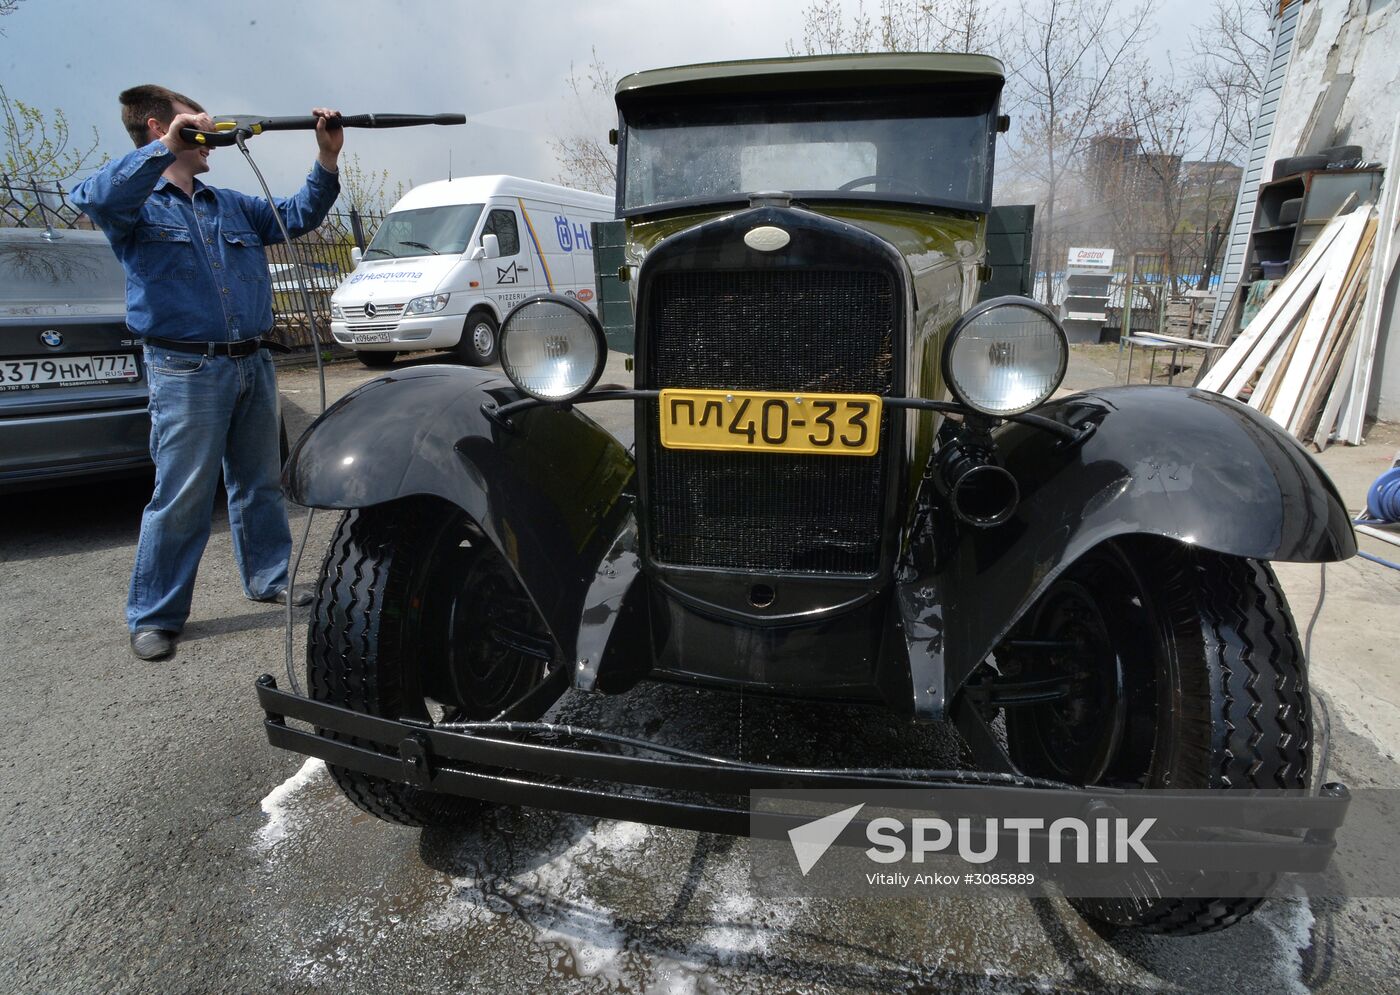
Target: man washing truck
x: 198, y: 295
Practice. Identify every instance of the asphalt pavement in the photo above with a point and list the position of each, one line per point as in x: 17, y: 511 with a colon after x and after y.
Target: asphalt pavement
x: 152, y: 840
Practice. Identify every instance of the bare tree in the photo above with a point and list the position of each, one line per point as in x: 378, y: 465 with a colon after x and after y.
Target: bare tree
x: 899, y: 26
x: 1229, y: 66
x: 586, y: 160
x: 826, y: 30
x: 1069, y: 69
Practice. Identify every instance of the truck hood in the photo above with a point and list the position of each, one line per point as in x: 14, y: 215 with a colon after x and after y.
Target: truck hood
x: 394, y: 280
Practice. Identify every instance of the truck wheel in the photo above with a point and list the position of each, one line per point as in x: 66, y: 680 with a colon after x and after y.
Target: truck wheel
x: 1221, y: 700
x: 480, y: 341
x: 417, y: 614
x: 376, y: 360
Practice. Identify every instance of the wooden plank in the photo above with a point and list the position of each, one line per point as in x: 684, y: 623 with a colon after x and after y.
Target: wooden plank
x: 1382, y: 265
x: 1321, y: 315
x: 1308, y: 409
x: 1263, y: 393
x: 1337, y: 399
x: 1289, y: 296
x: 1339, y: 256
x: 1334, y: 348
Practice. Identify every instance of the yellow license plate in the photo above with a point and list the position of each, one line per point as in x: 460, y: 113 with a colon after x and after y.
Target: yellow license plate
x: 758, y: 421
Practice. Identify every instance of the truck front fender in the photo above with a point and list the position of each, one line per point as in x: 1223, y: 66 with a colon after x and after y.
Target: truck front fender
x: 552, y: 490
x: 1182, y: 464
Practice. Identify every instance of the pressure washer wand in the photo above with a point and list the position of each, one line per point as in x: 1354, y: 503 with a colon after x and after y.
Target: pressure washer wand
x: 226, y: 129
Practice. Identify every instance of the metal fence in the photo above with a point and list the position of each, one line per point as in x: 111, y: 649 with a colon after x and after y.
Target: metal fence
x: 321, y: 257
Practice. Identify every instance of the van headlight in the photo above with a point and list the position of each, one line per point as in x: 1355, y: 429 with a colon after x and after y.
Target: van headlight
x: 427, y: 305
x: 552, y: 347
x: 1005, y: 356
x: 337, y: 311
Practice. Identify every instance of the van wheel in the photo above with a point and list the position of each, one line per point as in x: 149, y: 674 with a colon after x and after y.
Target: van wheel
x: 1179, y: 668
x: 376, y: 360
x: 480, y: 342
x: 418, y: 614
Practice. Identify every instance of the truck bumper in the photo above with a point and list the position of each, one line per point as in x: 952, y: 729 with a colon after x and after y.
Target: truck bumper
x: 700, y: 794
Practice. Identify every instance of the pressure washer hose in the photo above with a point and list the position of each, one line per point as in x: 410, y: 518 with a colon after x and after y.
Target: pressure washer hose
x: 309, y: 305
x: 1382, y: 507
x: 1383, y: 499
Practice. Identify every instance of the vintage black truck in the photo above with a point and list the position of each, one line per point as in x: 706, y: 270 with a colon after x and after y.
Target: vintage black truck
x: 851, y: 480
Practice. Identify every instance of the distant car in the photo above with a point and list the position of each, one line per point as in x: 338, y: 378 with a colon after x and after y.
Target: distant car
x: 321, y: 279
x: 72, y: 386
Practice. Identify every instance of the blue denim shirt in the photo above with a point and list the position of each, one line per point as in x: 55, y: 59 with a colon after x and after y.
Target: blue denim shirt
x: 195, y: 267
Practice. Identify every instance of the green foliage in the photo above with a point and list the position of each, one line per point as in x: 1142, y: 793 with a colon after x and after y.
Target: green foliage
x: 38, y: 145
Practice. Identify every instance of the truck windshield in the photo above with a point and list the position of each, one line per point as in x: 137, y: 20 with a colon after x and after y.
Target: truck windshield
x: 926, y: 148
x: 426, y: 231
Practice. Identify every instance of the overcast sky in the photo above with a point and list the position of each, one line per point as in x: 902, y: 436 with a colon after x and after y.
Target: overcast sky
x: 504, y: 65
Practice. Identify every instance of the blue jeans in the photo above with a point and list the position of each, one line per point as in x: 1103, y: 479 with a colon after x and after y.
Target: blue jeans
x: 208, y: 411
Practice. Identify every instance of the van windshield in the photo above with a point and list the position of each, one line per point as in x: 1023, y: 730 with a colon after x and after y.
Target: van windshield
x: 932, y: 148
x: 427, y: 231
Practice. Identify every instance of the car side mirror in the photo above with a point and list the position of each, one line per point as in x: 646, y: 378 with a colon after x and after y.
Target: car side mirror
x: 492, y: 245
x: 356, y: 255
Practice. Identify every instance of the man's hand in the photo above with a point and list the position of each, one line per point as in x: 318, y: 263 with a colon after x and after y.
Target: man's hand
x: 172, y: 140
x: 330, y: 137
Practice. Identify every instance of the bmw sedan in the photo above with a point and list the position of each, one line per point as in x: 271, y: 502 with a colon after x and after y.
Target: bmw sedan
x: 72, y: 387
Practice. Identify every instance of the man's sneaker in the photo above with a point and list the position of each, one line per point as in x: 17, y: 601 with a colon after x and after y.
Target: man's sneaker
x: 152, y: 644
x: 301, y: 600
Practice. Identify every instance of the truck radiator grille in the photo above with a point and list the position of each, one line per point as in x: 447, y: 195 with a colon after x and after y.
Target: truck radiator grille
x: 787, y: 330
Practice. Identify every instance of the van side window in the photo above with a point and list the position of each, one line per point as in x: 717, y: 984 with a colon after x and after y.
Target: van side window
x: 502, y: 225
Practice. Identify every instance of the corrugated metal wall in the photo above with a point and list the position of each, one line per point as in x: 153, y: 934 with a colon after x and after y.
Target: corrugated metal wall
x: 1256, y: 169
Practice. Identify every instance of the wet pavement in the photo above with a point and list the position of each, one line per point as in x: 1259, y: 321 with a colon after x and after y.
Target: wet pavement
x: 151, y: 840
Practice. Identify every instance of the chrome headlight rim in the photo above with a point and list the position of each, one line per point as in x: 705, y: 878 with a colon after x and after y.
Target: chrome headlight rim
x: 594, y: 325
x: 981, y: 308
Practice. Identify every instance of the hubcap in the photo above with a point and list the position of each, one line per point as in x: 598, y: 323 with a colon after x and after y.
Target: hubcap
x: 483, y: 338
x: 1091, y: 638
x: 496, y: 644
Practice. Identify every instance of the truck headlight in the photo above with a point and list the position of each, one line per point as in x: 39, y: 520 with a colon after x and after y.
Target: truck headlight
x: 552, y: 347
x: 1005, y: 356
x: 427, y: 305
x: 337, y: 311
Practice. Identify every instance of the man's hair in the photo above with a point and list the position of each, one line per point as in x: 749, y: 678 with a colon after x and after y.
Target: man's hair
x: 141, y: 103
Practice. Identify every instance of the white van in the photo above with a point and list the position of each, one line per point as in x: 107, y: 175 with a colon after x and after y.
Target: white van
x: 453, y: 257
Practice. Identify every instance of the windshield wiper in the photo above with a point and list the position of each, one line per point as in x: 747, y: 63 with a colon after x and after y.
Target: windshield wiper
x: 420, y: 245
x: 376, y: 248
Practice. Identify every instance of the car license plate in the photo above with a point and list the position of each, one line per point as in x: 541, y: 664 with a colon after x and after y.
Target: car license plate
x: 757, y: 421
x: 65, y: 371
x: 371, y: 337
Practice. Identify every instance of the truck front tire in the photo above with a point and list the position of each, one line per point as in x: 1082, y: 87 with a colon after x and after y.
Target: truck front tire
x: 1210, y: 691
x: 416, y: 610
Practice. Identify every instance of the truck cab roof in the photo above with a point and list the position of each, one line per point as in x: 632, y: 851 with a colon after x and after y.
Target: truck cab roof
x: 813, y: 72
